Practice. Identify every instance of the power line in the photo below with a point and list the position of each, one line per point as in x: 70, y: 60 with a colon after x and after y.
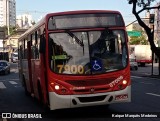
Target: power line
x: 33, y: 11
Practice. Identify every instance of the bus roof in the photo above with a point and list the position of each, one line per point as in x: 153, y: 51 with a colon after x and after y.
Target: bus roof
x: 43, y: 20
x: 82, y: 11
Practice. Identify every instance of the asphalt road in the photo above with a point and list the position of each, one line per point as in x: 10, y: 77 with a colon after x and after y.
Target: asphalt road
x: 146, y: 70
x: 145, y: 99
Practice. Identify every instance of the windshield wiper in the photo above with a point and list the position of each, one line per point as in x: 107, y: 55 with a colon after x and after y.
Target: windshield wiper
x: 76, y: 38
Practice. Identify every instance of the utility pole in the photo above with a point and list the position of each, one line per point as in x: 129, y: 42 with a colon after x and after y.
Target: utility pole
x: 151, y: 22
x: 152, y: 53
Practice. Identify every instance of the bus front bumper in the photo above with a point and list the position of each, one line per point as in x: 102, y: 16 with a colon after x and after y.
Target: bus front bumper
x: 73, y: 101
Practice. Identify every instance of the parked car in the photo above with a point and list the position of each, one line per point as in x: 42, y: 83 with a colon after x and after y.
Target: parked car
x: 14, y: 57
x: 133, y: 63
x: 4, y: 67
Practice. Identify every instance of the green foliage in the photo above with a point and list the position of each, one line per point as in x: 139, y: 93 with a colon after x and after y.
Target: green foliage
x: 139, y: 40
x: 12, y: 30
x: 142, y: 3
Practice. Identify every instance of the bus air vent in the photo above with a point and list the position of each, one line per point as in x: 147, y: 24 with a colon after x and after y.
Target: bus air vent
x: 92, y: 99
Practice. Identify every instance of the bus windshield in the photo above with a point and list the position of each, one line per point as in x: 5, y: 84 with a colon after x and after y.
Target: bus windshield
x: 102, y: 52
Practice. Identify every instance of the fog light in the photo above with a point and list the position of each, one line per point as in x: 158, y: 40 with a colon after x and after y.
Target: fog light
x: 120, y: 86
x: 57, y: 87
x: 124, y: 82
x: 63, y: 90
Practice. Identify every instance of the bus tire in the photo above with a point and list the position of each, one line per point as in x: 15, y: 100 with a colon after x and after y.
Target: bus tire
x: 41, y: 100
x: 142, y: 64
x: 107, y: 106
x: 25, y: 87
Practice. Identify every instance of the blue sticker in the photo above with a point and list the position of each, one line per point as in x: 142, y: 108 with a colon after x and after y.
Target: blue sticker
x: 96, y: 65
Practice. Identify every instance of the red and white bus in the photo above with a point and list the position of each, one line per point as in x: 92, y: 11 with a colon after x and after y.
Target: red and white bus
x: 75, y: 59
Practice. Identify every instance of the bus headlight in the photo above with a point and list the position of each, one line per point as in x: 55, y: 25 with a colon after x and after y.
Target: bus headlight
x: 59, y: 89
x: 121, y: 85
x: 124, y: 82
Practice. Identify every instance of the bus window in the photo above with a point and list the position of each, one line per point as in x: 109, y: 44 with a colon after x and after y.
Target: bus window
x: 67, y: 55
x: 35, y: 39
x: 104, y: 47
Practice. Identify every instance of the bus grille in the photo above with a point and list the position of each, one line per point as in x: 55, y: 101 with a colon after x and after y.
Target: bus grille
x: 86, y: 83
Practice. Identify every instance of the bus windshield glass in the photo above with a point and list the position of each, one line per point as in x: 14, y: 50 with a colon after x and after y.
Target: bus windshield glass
x: 85, y: 21
x: 101, y: 52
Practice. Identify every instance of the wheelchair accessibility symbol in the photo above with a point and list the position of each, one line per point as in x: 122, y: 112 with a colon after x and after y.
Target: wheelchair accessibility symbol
x: 96, y: 65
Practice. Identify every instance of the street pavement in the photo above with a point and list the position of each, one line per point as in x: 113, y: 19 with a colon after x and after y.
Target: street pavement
x: 146, y: 70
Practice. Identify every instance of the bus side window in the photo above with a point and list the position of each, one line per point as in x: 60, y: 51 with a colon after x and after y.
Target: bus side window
x: 35, y: 45
x: 24, y: 49
x: 37, y: 39
x: 42, y: 43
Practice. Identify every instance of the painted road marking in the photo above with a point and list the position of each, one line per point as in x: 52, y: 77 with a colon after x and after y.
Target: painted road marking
x: 14, y: 79
x: 153, y: 94
x: 146, y: 83
x: 2, y: 86
x: 2, y: 80
x: 14, y: 70
x: 13, y: 82
x: 145, y: 77
x: 136, y: 77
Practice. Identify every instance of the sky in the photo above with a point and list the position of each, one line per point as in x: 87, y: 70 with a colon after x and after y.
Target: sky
x: 38, y: 8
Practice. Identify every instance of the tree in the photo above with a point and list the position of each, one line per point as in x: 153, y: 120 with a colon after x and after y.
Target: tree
x: 145, y: 5
x: 12, y: 30
x: 135, y: 40
x: 138, y: 40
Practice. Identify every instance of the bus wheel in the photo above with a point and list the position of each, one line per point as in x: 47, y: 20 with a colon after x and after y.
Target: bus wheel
x: 107, y: 106
x: 142, y: 64
x: 40, y: 100
x: 25, y: 87
x: 40, y: 94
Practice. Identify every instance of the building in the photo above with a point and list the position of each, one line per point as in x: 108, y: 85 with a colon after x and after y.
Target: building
x: 24, y: 21
x: 157, y: 25
x: 136, y: 29
x: 7, y: 12
x: 1, y: 45
x: 135, y: 25
x: 11, y: 42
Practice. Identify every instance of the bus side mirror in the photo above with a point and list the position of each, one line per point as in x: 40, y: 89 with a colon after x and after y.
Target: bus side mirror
x: 42, y: 44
